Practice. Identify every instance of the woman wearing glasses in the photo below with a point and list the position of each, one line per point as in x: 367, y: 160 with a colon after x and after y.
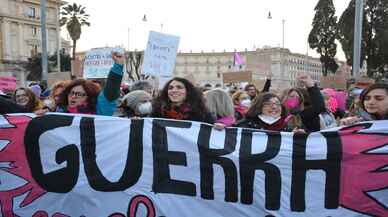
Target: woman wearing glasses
x: 86, y: 97
x: 266, y: 113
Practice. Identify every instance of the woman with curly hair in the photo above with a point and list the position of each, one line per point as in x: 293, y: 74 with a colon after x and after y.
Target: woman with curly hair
x: 55, y: 94
x: 86, y: 97
x: 180, y: 100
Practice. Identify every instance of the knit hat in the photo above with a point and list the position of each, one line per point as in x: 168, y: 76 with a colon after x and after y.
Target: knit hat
x: 36, y: 90
x: 133, y: 98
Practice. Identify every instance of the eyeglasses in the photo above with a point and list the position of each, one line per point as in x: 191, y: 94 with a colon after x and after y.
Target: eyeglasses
x: 77, y: 94
x: 270, y: 104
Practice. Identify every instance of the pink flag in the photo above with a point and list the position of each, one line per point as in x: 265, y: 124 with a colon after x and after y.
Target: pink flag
x: 238, y: 61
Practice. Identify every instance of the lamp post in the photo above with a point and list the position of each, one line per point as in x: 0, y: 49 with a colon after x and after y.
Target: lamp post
x: 128, y: 40
x: 283, y: 25
x: 283, y: 22
x: 357, y: 37
x: 58, y: 38
x: 44, y: 41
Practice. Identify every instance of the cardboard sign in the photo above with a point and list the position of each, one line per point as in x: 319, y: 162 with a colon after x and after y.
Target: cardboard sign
x: 160, y: 55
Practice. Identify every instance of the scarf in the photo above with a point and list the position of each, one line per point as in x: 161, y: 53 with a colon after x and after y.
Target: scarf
x: 241, y: 109
x: 81, y: 109
x: 181, y: 112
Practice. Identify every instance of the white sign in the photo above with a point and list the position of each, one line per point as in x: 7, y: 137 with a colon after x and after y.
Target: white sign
x: 97, y: 166
x: 160, y: 54
x: 99, y: 61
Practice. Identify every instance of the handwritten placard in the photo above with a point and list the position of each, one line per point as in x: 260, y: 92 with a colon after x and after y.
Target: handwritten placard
x: 160, y: 54
x: 98, y: 62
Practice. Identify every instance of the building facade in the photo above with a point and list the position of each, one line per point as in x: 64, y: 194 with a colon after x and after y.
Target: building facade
x: 20, y: 34
x: 284, y: 66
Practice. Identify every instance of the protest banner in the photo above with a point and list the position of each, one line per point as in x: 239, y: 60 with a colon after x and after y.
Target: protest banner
x: 98, y: 62
x: 61, y: 165
x: 160, y: 55
x: 7, y: 83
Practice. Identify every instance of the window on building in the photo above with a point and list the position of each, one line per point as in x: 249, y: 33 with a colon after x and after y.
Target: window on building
x: 34, y: 31
x: 31, y: 12
x: 34, y: 50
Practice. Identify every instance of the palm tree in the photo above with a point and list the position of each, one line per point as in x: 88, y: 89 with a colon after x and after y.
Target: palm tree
x: 74, y: 17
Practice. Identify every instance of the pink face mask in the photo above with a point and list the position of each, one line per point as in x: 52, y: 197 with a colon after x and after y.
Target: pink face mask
x: 292, y: 103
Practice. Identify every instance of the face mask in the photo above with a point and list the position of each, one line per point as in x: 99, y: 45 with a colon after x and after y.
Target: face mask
x: 292, y: 103
x: 245, y: 103
x: 49, y: 103
x: 268, y: 119
x: 145, y: 108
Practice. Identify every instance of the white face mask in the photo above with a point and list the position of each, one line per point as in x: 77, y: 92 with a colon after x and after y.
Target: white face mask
x: 245, y: 103
x: 145, y: 108
x: 268, y: 119
x: 49, y: 103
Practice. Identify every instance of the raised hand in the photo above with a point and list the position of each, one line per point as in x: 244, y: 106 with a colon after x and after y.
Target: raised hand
x: 118, y: 58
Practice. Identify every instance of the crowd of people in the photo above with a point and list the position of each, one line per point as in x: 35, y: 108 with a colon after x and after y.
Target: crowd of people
x: 302, y: 110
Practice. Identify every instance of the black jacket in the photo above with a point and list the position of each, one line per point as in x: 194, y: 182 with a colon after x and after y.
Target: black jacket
x: 310, y: 115
x: 8, y: 106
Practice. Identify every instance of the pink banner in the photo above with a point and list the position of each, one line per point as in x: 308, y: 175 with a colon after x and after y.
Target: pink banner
x: 7, y: 83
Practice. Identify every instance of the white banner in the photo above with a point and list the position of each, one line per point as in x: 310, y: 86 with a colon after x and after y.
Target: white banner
x: 103, y: 166
x: 160, y: 54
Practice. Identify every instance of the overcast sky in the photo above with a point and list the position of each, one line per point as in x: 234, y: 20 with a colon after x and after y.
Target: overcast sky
x: 202, y: 24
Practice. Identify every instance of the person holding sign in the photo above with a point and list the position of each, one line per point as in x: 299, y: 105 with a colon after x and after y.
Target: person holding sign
x: 180, y: 100
x: 85, y: 96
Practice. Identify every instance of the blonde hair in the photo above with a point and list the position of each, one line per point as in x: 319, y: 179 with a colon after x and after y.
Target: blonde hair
x: 219, y: 102
x: 236, y: 96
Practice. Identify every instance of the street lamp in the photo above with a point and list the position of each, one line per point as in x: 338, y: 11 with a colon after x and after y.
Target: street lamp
x: 283, y: 24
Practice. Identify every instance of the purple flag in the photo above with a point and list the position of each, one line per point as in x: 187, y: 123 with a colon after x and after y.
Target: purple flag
x: 238, y: 61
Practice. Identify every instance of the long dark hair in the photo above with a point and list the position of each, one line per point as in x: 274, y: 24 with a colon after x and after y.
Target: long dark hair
x: 194, y: 99
x: 258, y: 103
x: 91, y: 88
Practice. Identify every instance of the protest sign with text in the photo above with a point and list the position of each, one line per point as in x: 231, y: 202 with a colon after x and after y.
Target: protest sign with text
x: 98, y: 62
x: 160, y: 54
